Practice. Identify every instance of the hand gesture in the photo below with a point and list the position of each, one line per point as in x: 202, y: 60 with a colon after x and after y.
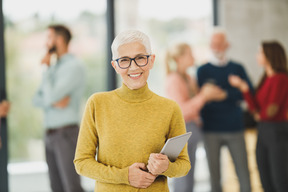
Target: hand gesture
x: 157, y: 163
x: 237, y: 82
x: 46, y: 59
x: 212, y: 92
x: 138, y: 177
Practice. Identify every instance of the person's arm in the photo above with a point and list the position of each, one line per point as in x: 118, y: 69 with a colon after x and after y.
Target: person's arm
x: 234, y: 94
x: 242, y: 85
x: 251, y: 101
x: 85, y: 162
x: 190, y: 106
x: 52, y: 92
x: 38, y: 96
x: 55, y: 91
x: 181, y: 166
x: 275, y: 95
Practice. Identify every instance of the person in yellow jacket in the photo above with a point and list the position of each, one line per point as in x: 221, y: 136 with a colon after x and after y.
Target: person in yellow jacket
x: 122, y: 131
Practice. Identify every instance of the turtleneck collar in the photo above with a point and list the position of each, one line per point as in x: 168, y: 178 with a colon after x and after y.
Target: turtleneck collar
x: 134, y: 95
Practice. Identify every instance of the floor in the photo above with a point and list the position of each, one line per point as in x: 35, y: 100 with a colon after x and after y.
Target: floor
x: 230, y: 182
x: 32, y: 177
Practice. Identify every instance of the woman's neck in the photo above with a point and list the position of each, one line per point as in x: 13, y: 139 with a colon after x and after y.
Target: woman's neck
x: 269, y: 71
x: 181, y: 70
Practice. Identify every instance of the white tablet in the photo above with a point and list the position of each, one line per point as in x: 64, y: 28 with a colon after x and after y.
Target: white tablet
x: 174, y: 146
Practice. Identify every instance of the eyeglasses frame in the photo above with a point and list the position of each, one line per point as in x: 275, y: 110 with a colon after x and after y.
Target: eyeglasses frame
x: 132, y: 59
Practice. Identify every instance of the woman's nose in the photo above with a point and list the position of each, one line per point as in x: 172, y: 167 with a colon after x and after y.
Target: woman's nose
x: 133, y: 65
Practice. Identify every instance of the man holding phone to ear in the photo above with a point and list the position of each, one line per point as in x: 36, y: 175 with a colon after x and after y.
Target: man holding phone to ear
x: 59, y: 96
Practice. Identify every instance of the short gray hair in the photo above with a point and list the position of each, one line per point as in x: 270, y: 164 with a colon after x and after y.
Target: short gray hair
x: 130, y: 36
x: 219, y: 30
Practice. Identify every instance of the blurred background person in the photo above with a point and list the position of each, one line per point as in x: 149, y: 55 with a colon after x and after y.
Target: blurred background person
x: 270, y: 107
x: 223, y: 121
x: 59, y: 96
x: 182, y: 88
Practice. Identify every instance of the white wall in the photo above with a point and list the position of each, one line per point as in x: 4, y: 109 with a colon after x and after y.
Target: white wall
x: 248, y: 22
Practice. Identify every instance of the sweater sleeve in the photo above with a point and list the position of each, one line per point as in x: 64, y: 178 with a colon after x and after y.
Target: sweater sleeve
x: 50, y: 92
x: 250, y: 100
x: 275, y: 95
x: 85, y: 162
x: 175, y: 90
x: 181, y: 166
x: 55, y: 91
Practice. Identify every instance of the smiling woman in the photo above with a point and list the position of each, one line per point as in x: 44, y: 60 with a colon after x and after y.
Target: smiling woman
x: 135, y: 58
x: 24, y: 43
x: 129, y: 126
x: 135, y: 75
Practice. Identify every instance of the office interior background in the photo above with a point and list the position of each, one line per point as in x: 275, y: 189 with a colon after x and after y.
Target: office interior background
x: 248, y: 22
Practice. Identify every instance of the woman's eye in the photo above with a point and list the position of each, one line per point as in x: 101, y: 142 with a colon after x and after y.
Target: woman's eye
x: 124, y: 60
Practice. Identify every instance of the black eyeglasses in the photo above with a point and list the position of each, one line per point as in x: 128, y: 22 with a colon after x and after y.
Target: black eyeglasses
x: 125, y: 62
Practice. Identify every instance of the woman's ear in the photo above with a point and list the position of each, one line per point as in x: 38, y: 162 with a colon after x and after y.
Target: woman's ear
x: 152, y: 60
x: 113, y: 63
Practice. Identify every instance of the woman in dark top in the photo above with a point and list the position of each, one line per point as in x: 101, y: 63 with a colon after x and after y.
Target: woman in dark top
x: 270, y: 107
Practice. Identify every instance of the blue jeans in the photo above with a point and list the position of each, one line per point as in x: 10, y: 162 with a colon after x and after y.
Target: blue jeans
x: 186, y: 183
x: 236, y: 145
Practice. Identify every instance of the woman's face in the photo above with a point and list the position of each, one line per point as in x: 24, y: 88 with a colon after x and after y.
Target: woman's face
x: 187, y: 59
x: 261, y: 58
x: 134, y: 77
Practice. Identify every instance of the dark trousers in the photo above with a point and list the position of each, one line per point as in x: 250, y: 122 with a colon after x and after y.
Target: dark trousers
x: 271, y: 154
x: 60, y: 145
x: 237, y: 147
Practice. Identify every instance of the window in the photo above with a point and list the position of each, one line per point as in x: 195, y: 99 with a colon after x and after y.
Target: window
x: 25, y: 35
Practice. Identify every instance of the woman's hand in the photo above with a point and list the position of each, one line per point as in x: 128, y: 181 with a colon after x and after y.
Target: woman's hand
x: 211, y: 92
x: 157, y: 163
x: 138, y: 177
x: 238, y: 83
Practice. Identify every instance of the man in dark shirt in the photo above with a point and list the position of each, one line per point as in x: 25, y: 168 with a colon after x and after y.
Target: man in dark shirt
x: 223, y: 120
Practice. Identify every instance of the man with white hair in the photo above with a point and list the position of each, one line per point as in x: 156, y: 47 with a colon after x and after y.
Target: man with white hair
x: 223, y: 120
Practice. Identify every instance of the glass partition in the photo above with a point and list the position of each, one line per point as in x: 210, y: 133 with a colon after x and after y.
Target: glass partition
x: 25, y: 35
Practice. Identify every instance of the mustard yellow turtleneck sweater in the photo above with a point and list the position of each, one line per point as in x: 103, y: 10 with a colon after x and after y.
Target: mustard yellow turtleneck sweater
x: 126, y: 126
